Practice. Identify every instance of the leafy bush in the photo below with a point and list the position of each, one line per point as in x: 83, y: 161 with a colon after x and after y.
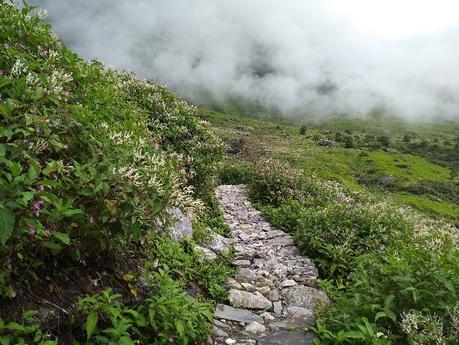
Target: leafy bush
x: 392, y: 274
x: 89, y: 157
x: 166, y: 315
x: 236, y: 173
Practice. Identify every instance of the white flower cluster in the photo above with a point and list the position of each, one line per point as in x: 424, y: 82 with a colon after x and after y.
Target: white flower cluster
x: 57, y: 81
x: 47, y: 53
x: 422, y: 329
x: 18, y: 69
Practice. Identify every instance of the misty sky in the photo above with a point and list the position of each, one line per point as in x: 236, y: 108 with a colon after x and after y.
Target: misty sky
x: 314, y: 56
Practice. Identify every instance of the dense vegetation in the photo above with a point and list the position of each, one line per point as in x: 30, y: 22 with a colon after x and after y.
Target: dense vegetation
x: 91, y: 162
x: 392, y: 274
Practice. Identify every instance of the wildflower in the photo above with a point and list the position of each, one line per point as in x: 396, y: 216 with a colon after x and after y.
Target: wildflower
x: 38, y: 205
x: 18, y: 69
x: 42, y: 13
x: 1, y: 73
x: 32, y: 230
x: 6, y: 45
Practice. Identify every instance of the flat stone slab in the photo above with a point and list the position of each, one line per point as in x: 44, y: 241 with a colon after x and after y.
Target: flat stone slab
x: 248, y: 300
x: 287, y: 338
x: 234, y: 314
x: 303, y: 296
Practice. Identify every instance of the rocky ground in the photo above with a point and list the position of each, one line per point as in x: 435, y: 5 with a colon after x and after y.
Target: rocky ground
x: 272, y: 298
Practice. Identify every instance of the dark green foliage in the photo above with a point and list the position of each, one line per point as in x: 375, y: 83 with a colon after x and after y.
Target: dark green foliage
x: 392, y: 274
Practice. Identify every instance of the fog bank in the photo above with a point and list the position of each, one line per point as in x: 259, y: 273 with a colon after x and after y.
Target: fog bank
x: 296, y: 55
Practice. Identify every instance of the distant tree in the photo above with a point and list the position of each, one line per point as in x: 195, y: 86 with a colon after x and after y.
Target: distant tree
x: 348, y: 131
x: 447, y: 142
x: 339, y: 136
x: 303, y: 130
x: 384, y: 140
x: 407, y: 138
x: 348, y: 142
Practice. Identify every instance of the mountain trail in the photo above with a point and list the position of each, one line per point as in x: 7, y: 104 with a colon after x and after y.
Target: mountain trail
x: 272, y: 298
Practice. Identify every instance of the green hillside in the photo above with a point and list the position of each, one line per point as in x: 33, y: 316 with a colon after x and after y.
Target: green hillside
x: 91, y: 160
x: 416, y: 165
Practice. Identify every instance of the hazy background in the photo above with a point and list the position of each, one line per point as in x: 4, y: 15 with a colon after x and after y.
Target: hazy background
x: 317, y: 56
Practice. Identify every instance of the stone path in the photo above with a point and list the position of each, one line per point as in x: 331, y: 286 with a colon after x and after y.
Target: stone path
x: 273, y: 297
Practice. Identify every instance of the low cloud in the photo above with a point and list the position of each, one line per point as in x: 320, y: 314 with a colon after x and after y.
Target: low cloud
x: 295, y: 55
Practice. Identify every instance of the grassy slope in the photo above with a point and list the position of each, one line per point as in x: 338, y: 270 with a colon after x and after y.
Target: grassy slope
x: 267, y: 137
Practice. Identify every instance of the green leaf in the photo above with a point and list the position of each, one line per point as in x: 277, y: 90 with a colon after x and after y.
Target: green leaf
x: 6, y: 225
x: 353, y: 335
x: 379, y: 315
x: 5, y: 339
x: 27, y: 196
x: 69, y: 213
x: 91, y: 323
x: 125, y: 341
x: 53, y: 246
x: 14, y: 326
x: 33, y: 172
x: 2, y: 151
x: 63, y: 237
x: 16, y: 169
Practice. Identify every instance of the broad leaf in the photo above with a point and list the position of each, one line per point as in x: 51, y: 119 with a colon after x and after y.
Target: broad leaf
x: 6, y: 225
x: 64, y: 238
x: 91, y: 323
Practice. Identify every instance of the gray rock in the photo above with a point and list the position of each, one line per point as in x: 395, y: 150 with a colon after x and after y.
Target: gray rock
x: 220, y: 333
x: 326, y: 143
x: 274, y: 295
x: 288, y: 283
x: 267, y: 316
x: 277, y: 307
x: 246, y: 275
x: 284, y: 241
x: 264, y: 290
x: 386, y: 180
x: 242, y: 263
x: 231, y: 283
x: 233, y: 314
x: 207, y: 254
x: 248, y: 300
x: 255, y: 328
x: 181, y: 225
x: 248, y: 287
x: 218, y: 243
x: 298, y: 311
x: 287, y: 338
x: 303, y: 296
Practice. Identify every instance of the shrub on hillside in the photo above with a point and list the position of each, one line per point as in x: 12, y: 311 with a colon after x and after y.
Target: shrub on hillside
x: 392, y: 274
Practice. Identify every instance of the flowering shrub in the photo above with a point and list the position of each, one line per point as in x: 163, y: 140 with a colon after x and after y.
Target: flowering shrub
x: 90, y: 158
x: 391, y: 272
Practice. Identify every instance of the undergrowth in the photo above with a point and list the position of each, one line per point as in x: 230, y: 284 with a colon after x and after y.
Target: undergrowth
x: 392, y: 273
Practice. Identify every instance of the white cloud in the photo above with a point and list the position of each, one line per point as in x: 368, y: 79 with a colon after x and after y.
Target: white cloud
x: 285, y: 53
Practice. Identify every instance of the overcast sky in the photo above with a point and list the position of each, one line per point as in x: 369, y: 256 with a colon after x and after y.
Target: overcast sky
x: 317, y: 56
